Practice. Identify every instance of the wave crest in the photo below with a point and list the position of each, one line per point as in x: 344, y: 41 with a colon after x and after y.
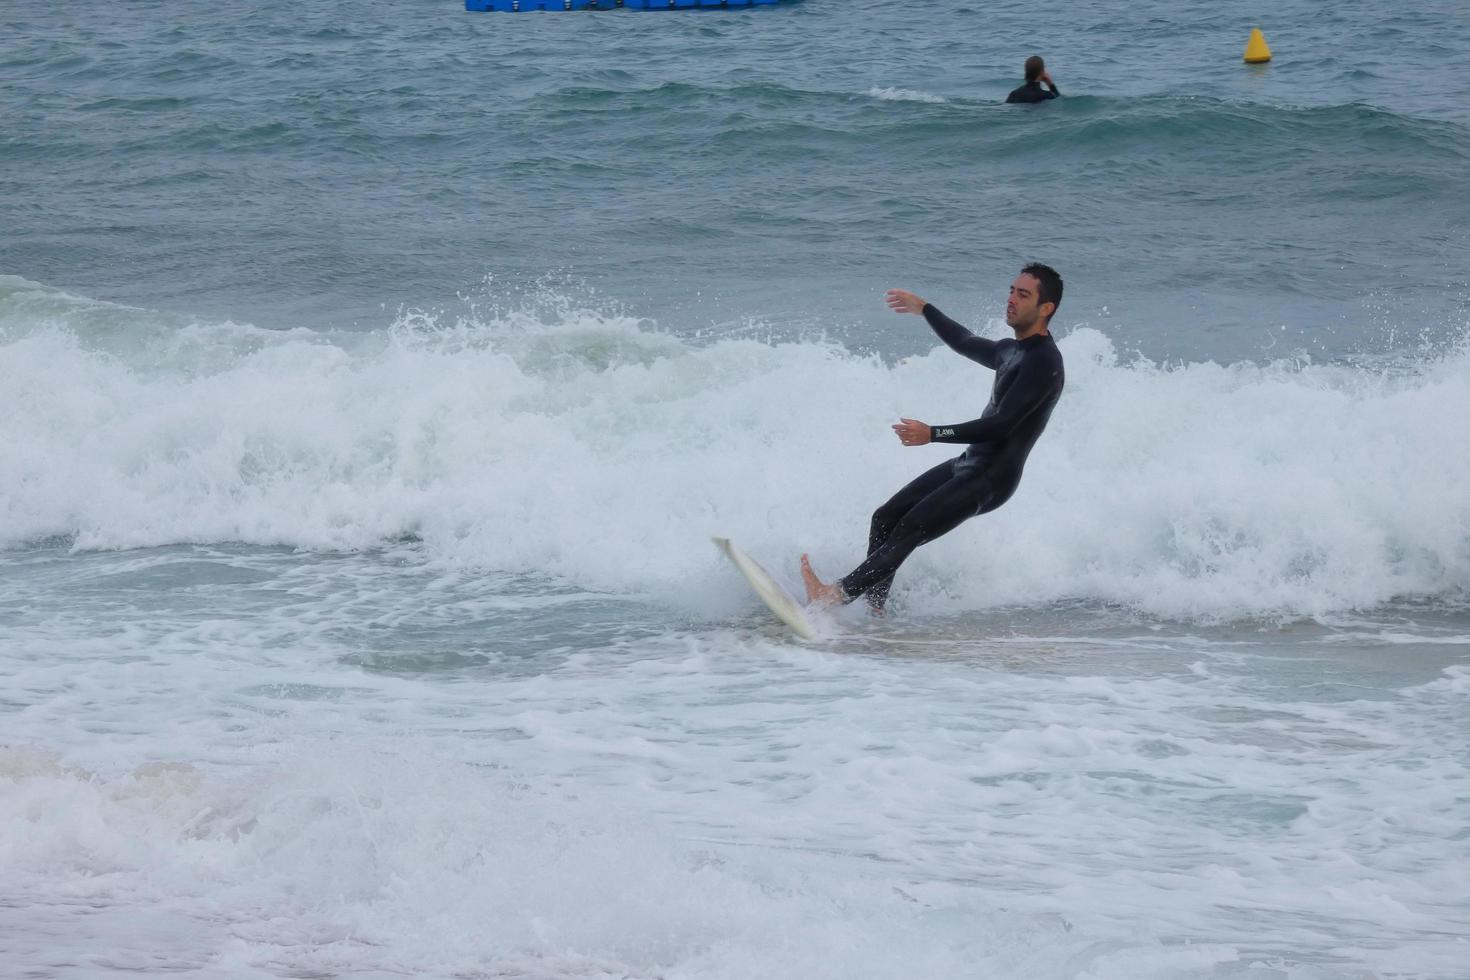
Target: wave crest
x: 604, y: 451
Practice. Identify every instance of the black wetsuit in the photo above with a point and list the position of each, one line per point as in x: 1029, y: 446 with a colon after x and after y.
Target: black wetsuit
x: 1028, y: 382
x: 1032, y: 92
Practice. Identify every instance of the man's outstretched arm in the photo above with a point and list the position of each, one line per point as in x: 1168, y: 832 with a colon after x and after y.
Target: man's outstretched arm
x: 955, y: 336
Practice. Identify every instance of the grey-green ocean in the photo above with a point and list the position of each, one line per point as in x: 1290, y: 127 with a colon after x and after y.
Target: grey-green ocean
x: 374, y: 377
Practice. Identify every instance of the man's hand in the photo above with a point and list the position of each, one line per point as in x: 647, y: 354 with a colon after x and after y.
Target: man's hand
x: 1046, y: 77
x: 903, y: 301
x: 910, y: 431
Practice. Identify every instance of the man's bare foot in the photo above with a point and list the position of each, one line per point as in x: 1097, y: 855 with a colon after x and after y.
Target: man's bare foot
x: 816, y: 590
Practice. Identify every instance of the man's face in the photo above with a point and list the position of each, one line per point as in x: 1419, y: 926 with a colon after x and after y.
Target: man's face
x: 1023, y: 308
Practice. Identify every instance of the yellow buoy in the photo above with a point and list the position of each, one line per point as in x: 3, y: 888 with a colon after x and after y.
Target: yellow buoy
x: 1256, y: 51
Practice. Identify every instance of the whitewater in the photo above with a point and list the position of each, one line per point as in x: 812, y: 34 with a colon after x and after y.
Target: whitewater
x: 372, y: 383
x: 404, y: 652
x: 599, y: 450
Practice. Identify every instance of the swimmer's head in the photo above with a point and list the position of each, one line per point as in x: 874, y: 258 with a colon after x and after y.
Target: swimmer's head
x: 1034, y: 298
x: 1034, y: 67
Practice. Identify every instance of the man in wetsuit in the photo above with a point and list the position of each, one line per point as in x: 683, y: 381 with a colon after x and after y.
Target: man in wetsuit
x: 1028, y: 382
x: 1032, y: 91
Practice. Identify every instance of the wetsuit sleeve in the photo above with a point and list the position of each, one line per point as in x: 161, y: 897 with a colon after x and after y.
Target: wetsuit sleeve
x: 1054, y: 90
x: 960, y: 340
x: 1034, y: 384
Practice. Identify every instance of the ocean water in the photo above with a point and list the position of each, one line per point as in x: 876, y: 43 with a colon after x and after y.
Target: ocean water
x: 373, y: 379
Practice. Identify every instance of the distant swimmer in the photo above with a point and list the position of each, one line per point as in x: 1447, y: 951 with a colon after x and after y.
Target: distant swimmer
x: 1028, y: 382
x: 1036, y: 75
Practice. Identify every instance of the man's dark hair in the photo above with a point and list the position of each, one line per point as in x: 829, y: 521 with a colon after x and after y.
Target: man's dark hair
x: 1048, y: 284
x: 1034, y: 67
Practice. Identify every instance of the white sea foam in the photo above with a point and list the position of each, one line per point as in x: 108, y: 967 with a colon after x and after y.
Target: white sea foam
x: 249, y: 762
x: 605, y: 452
x: 678, y: 813
x: 895, y: 94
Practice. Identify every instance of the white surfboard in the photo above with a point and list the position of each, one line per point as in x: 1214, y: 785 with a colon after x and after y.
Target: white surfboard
x: 777, y: 599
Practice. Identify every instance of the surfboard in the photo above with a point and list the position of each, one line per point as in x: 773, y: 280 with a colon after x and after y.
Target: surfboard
x: 777, y: 599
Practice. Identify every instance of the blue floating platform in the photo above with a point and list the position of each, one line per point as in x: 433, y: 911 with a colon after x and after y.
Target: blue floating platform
x: 517, y: 6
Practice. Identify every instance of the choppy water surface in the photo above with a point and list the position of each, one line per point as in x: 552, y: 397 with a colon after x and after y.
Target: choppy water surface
x: 373, y: 381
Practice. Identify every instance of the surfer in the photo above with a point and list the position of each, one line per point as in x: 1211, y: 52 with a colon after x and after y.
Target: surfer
x: 1036, y: 75
x: 1028, y: 382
